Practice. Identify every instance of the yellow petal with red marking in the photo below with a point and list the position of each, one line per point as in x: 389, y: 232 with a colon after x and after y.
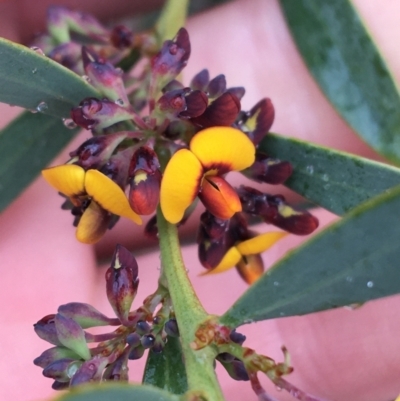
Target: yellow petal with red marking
x: 223, y: 148
x: 69, y: 179
x: 109, y: 195
x: 220, y: 199
x: 230, y: 259
x: 180, y: 184
x: 260, y: 243
x: 250, y: 268
x: 93, y: 224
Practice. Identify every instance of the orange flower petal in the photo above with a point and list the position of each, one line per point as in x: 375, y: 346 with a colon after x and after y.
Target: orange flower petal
x: 180, y: 184
x: 69, y: 179
x: 260, y: 243
x: 223, y: 148
x: 93, y: 224
x: 109, y: 195
x: 250, y: 268
x: 230, y: 259
x: 219, y: 197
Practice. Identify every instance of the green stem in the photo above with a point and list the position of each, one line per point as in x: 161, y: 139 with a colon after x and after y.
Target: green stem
x: 189, y: 313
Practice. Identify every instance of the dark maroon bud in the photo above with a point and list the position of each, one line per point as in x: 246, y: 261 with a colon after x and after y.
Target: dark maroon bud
x: 67, y: 54
x: 196, y: 104
x: 89, y: 371
x: 268, y: 170
x: 133, y: 339
x: 210, y: 251
x: 121, y: 37
x: 62, y: 369
x: 238, y: 91
x: 145, y: 181
x: 294, y: 221
x: 213, y: 226
x: 173, y: 56
x: 46, y: 330
x: 236, y: 370
x: 237, y: 338
x: 53, y: 354
x: 158, y: 346
x: 172, y: 102
x: 148, y: 341
x: 136, y: 353
x: 221, y: 112
x: 259, y: 120
x: 171, y: 328
x: 157, y: 320
x: 151, y: 229
x: 174, y: 85
x: 71, y: 335
x: 216, y: 86
x: 225, y: 357
x: 142, y: 327
x: 82, y: 115
x: 58, y: 386
x: 84, y: 314
x: 122, y: 282
x: 200, y: 80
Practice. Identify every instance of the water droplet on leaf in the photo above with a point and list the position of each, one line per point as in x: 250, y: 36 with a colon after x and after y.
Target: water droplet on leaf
x: 86, y: 78
x: 310, y: 169
x: 276, y: 283
x: 41, y: 107
x: 325, y: 177
x: 37, y: 50
x: 370, y: 284
x: 119, y: 102
x: 69, y: 123
x: 34, y: 71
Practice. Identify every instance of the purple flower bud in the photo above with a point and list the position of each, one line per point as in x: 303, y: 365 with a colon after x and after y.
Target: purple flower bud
x: 89, y: 371
x: 59, y: 385
x: 104, y: 77
x: 122, y: 282
x: 118, y: 370
x: 142, y: 327
x: 133, y: 339
x: 216, y: 86
x: 171, y: 328
x: 213, y: 226
x: 84, y: 314
x: 121, y: 37
x: 237, y: 338
x: 172, y: 102
x: 46, y: 330
x: 238, y: 91
x: 158, y: 346
x: 268, y: 170
x: 94, y: 152
x: 200, y: 80
x: 148, y: 341
x: 145, y: 181
x: 210, y: 251
x: 221, y: 112
x: 151, y: 229
x: 225, y: 357
x: 136, y: 353
x: 69, y: 55
x: 173, y: 57
x: 71, y: 335
x: 62, y: 370
x: 236, y: 370
x: 53, y: 354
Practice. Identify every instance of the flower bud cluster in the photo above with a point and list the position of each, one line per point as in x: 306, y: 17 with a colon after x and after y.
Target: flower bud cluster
x: 71, y: 362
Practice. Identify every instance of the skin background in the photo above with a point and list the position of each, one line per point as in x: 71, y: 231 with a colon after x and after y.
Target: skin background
x: 338, y: 355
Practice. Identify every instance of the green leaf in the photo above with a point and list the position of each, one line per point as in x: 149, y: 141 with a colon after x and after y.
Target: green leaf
x: 166, y: 370
x: 120, y: 392
x: 172, y: 18
x: 352, y: 261
x: 36, y: 82
x: 27, y: 145
x: 335, y: 180
x: 349, y: 69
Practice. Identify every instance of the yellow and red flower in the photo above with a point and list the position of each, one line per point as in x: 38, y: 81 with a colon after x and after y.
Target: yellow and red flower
x: 245, y: 255
x: 95, y: 193
x: 199, y: 171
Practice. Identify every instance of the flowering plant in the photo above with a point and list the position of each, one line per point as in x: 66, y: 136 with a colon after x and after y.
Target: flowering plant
x: 158, y: 146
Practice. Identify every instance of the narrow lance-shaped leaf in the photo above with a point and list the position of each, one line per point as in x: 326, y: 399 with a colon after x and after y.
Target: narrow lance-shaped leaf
x: 349, y: 69
x: 35, y: 82
x: 116, y: 391
x: 27, y: 145
x: 337, y: 181
x: 354, y: 260
x: 166, y: 369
